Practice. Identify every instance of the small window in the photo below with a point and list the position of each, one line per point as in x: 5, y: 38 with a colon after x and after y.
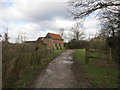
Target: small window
x: 42, y: 39
x: 48, y: 36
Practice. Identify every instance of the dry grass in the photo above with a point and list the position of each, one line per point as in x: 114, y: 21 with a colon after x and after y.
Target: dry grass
x: 19, y: 59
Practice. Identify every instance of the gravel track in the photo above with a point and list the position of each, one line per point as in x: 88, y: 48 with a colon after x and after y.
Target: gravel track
x: 58, y: 74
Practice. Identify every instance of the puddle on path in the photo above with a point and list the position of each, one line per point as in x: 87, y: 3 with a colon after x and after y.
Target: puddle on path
x: 68, y: 62
x: 70, y: 57
x: 48, y: 70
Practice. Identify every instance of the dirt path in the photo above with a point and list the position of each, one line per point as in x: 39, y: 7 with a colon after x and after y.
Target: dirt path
x: 58, y: 74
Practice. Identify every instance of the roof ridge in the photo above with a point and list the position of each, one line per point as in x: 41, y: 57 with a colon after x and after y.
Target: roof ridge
x: 54, y: 33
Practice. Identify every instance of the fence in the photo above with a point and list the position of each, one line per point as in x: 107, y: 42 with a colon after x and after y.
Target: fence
x: 102, y: 56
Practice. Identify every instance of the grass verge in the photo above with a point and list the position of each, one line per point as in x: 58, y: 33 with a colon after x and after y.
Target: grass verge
x: 100, y: 77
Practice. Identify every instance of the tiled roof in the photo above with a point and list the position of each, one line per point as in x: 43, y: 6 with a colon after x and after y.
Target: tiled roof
x: 55, y: 36
x: 40, y: 38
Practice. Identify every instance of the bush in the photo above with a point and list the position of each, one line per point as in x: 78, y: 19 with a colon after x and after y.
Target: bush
x: 99, y: 45
x: 77, y: 44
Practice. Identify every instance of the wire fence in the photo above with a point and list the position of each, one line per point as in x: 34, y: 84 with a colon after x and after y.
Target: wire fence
x: 103, y: 57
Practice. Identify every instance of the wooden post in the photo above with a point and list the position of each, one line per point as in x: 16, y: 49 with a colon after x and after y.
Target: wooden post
x: 110, y: 55
x: 87, y: 55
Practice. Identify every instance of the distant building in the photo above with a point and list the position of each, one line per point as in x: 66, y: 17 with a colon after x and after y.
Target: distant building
x: 99, y: 38
x: 52, y: 40
x: 40, y: 39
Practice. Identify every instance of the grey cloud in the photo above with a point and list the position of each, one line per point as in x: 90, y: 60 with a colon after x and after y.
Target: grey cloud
x: 46, y: 11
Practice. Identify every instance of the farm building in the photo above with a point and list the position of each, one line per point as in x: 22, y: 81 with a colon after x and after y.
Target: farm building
x: 54, y: 41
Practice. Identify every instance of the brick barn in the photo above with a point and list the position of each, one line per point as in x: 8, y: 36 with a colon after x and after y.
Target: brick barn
x: 52, y: 40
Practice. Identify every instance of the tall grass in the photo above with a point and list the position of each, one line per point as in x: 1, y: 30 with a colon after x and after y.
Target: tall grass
x: 20, y: 59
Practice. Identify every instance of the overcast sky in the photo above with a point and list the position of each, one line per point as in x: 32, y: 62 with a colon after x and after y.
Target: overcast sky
x: 36, y: 18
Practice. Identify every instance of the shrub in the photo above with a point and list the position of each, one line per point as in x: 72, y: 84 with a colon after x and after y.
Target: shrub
x: 21, y: 58
x: 77, y: 44
x: 100, y: 45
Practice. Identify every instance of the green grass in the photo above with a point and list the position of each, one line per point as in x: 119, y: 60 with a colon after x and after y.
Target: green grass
x: 27, y: 77
x: 59, y: 51
x: 99, y: 76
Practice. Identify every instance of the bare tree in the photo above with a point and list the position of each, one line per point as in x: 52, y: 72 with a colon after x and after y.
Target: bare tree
x: 109, y: 13
x: 82, y: 8
x: 0, y: 37
x: 21, y: 38
x: 77, y: 33
x: 110, y: 21
x: 6, y: 37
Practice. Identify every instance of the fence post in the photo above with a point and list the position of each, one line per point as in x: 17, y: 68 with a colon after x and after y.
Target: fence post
x: 110, y: 55
x: 87, y: 55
